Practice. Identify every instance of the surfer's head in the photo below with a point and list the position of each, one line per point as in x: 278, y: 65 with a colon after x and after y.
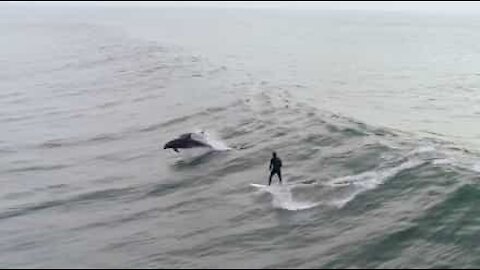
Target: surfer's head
x: 274, y: 155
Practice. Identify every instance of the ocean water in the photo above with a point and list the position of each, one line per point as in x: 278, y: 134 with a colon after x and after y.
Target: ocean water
x: 373, y: 115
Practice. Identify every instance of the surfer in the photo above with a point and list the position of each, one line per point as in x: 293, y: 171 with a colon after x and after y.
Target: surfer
x: 275, y: 168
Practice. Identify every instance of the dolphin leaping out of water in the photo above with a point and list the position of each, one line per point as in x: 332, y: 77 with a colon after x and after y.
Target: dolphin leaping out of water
x: 183, y: 142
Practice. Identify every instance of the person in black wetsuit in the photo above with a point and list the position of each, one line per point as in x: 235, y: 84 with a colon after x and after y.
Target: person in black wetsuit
x: 275, y: 168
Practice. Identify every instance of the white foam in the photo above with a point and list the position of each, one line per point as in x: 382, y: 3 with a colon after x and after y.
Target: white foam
x: 425, y: 148
x: 210, y: 139
x: 282, y: 198
x: 340, y: 203
x: 368, y: 180
x: 422, y: 150
x: 443, y: 161
x: 476, y: 167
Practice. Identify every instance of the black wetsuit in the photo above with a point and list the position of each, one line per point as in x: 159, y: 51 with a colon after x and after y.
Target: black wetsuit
x: 275, y: 168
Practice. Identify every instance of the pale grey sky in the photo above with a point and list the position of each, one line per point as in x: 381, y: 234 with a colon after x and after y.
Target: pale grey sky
x: 421, y: 6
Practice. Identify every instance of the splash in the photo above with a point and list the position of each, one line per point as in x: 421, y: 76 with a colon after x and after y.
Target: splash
x: 362, y: 182
x: 283, y: 199
x: 211, y: 139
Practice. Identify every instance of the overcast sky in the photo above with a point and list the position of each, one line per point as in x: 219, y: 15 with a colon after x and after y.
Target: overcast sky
x: 420, y: 6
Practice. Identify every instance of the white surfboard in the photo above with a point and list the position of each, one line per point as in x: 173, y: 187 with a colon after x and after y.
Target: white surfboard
x: 258, y: 185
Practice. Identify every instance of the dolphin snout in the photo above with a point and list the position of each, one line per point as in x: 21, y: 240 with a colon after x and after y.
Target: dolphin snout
x: 167, y: 145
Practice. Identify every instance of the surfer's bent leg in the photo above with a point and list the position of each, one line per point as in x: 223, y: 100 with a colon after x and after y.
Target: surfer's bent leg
x: 271, y: 175
x: 280, y: 175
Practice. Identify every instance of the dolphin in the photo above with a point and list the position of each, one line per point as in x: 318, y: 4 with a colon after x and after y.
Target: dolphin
x: 183, y: 142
